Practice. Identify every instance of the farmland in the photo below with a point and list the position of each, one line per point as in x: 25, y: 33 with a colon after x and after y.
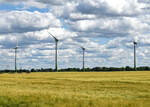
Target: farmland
x: 75, y: 89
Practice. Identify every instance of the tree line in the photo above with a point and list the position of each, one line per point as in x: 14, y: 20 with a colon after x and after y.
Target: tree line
x: 95, y: 69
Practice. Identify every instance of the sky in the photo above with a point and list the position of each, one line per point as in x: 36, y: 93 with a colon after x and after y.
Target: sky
x: 105, y: 28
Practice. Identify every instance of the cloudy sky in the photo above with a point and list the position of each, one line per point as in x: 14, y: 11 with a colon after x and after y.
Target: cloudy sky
x: 106, y: 28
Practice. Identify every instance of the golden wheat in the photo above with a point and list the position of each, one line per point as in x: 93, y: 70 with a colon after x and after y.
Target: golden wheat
x: 75, y: 89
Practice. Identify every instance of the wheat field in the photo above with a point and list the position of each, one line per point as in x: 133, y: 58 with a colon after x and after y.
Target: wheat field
x: 75, y: 89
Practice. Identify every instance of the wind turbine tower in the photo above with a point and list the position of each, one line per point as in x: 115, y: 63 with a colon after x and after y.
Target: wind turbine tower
x: 83, y: 58
x: 56, y: 44
x: 134, y: 43
x: 16, y: 56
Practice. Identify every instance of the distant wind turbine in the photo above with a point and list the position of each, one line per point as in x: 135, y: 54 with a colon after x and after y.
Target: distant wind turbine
x: 56, y: 42
x: 83, y: 49
x: 16, y: 55
x: 134, y: 43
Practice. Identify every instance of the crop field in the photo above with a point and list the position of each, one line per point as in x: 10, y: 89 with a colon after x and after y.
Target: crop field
x: 75, y: 89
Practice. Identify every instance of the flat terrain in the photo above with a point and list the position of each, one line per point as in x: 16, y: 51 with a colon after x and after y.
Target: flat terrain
x: 75, y: 89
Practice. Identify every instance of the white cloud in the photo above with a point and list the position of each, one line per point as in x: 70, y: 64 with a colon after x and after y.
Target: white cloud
x: 24, y: 21
x: 76, y: 23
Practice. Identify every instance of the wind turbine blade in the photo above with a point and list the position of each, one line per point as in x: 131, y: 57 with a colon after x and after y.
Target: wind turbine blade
x: 53, y: 36
x: 16, y: 42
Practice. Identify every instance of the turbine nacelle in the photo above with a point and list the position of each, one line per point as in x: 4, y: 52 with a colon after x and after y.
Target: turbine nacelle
x: 16, y: 47
x: 83, y: 48
x: 135, y: 43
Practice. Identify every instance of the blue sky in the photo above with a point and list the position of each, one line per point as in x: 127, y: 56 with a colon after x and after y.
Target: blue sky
x: 20, y: 7
x: 106, y: 28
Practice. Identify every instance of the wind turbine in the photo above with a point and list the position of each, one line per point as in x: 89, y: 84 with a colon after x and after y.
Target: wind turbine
x: 134, y: 43
x: 16, y: 56
x: 56, y: 42
x: 83, y: 58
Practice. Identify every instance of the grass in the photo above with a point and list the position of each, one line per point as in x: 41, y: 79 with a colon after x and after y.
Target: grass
x: 75, y: 89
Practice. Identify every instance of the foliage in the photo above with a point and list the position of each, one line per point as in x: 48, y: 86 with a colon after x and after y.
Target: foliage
x: 97, y: 69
